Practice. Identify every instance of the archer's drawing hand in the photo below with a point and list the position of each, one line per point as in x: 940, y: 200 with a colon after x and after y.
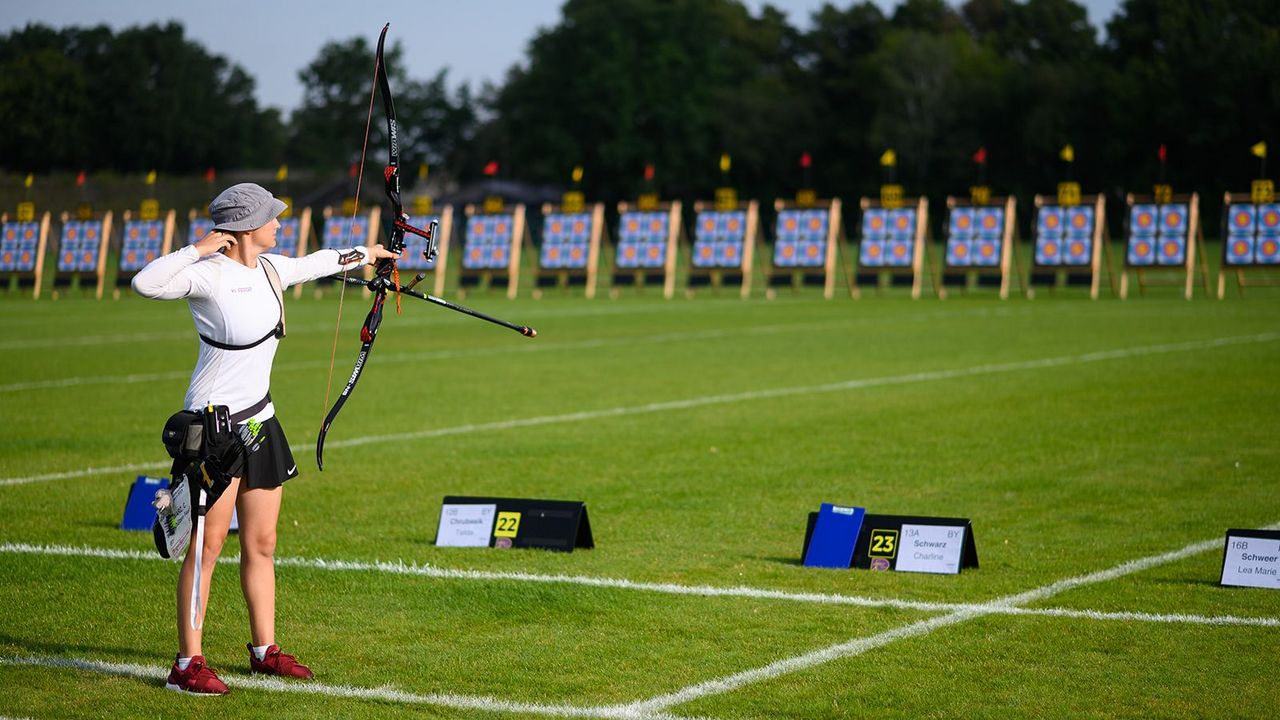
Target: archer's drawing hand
x: 215, y: 241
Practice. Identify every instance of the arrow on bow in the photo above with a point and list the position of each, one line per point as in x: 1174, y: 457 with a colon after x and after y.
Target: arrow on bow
x: 386, y: 276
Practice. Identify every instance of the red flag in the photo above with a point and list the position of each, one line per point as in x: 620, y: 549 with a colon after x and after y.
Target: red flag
x: 209, y: 175
x: 648, y: 171
x: 806, y: 160
x: 1162, y: 153
x: 980, y: 156
x: 80, y: 179
x: 355, y: 170
x: 491, y: 168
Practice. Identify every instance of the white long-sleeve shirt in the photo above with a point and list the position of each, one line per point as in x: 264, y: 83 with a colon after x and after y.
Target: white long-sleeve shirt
x: 235, y: 305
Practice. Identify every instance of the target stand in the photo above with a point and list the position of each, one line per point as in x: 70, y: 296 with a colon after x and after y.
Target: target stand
x: 724, y: 246
x: 491, y: 250
x: 1251, y: 249
x: 648, y: 247
x: 22, y: 248
x: 1163, y: 239
x: 891, y: 245
x: 142, y: 241
x: 807, y: 242
x: 982, y: 244
x: 82, y: 253
x: 570, y: 253
x: 1070, y: 243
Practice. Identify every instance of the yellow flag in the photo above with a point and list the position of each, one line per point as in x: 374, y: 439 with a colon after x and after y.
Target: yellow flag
x: 282, y: 173
x: 151, y: 178
x: 1259, y: 150
x: 724, y: 163
x: 31, y: 178
x: 1067, y: 153
x: 423, y: 169
x: 577, y: 173
x: 889, y: 158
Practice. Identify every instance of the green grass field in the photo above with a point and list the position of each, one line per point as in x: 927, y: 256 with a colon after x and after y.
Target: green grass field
x: 1078, y: 436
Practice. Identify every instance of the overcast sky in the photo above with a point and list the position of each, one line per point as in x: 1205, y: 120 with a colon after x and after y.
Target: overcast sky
x: 273, y: 39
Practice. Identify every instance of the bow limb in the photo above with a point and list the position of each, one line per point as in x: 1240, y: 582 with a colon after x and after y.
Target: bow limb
x: 368, y: 333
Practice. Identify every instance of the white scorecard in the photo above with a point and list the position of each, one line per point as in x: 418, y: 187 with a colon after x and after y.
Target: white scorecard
x: 465, y: 525
x: 930, y: 549
x: 1252, y: 559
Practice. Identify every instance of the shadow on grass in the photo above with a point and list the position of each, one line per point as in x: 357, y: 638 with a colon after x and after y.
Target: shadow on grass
x: 10, y: 645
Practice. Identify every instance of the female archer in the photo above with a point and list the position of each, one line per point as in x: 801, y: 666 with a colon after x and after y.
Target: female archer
x: 234, y: 289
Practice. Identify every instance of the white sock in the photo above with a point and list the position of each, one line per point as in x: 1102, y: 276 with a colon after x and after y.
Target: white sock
x: 183, y: 663
x: 260, y: 651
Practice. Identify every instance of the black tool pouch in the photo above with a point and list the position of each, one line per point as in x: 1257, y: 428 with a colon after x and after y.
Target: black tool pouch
x: 205, y: 449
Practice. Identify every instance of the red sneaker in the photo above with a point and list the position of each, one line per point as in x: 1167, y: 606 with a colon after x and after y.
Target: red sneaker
x: 277, y: 663
x: 197, y: 679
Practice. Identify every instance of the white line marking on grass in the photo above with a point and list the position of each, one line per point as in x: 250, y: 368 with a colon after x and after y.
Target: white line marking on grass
x: 858, y: 646
x: 507, y: 349
x: 706, y: 400
x: 383, y: 694
x: 136, y: 467
x: 546, y: 314
x: 429, y: 571
x: 414, y: 357
x: 857, y: 384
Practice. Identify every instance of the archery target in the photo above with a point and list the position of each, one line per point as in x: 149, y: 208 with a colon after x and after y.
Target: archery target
x: 1080, y: 221
x: 1050, y: 222
x: 875, y: 223
x: 801, y: 238
x: 1174, y: 219
x: 342, y: 233
x: 962, y: 222
x: 991, y: 223
x: 79, y: 246
x: 566, y: 239
x: 720, y: 238
x: 142, y: 243
x: 1077, y: 250
x: 1267, y: 250
x: 19, y: 246
x: 899, y: 253
x: 958, y: 251
x: 871, y: 253
x: 198, y: 229
x: 1143, y: 220
x: 1239, y: 250
x: 642, y: 238
x: 1048, y: 250
x: 488, y: 242
x: 287, y: 237
x: 985, y: 252
x: 1242, y: 221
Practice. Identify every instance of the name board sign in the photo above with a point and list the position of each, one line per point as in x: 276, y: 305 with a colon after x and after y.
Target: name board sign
x: 1252, y: 559
x: 891, y: 196
x: 465, y: 525
x: 911, y: 543
x: 513, y: 523
x: 647, y: 201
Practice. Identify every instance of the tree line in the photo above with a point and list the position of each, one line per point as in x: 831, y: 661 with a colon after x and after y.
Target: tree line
x: 617, y: 85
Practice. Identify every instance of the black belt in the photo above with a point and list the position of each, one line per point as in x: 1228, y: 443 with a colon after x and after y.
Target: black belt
x: 252, y: 410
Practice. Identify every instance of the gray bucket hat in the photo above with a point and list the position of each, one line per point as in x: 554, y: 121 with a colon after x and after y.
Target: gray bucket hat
x: 243, y: 207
